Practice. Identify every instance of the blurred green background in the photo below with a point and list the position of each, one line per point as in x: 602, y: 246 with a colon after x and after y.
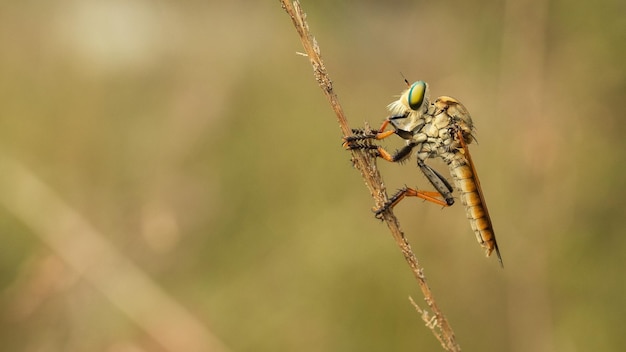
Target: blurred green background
x: 172, y: 178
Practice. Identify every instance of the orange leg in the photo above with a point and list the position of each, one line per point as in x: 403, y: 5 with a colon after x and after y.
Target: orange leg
x: 360, y: 135
x: 384, y: 154
x: 430, y: 196
x: 381, y: 131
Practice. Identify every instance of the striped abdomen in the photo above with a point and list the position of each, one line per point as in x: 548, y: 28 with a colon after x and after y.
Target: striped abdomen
x: 468, y: 185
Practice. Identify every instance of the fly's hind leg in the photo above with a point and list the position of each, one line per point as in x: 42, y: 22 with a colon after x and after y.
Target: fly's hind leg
x: 430, y: 196
x: 443, y: 195
x: 443, y: 187
x: 399, y: 156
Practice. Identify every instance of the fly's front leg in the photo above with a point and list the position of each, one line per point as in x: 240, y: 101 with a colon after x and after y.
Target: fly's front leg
x: 395, y: 157
x: 352, y: 142
x: 359, y: 134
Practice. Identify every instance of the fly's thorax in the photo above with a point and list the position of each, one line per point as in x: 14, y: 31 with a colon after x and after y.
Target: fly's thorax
x: 431, y: 130
x: 456, y: 112
x: 438, y: 125
x: 427, y: 149
x: 440, y: 141
x: 441, y: 121
x: 452, y: 157
x: 446, y: 137
x: 419, y: 138
x: 430, y: 147
x: 447, y: 141
x: 434, y: 125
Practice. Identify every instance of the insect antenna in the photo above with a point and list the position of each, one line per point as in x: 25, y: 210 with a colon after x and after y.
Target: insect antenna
x: 405, y: 80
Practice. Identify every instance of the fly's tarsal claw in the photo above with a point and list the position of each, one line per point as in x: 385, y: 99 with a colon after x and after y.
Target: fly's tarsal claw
x: 378, y: 213
x: 391, y: 202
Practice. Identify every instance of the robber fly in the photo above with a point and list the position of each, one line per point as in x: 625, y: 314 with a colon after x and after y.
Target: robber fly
x: 440, y: 129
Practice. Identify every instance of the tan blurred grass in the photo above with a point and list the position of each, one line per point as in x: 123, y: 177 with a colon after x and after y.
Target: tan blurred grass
x: 196, y: 155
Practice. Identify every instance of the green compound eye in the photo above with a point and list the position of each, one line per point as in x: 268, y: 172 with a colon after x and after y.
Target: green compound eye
x: 417, y: 93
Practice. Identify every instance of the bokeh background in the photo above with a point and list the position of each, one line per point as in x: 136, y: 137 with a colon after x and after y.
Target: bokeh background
x: 172, y: 178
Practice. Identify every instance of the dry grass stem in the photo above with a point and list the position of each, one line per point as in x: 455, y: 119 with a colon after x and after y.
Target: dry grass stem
x: 89, y: 254
x: 366, y: 164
